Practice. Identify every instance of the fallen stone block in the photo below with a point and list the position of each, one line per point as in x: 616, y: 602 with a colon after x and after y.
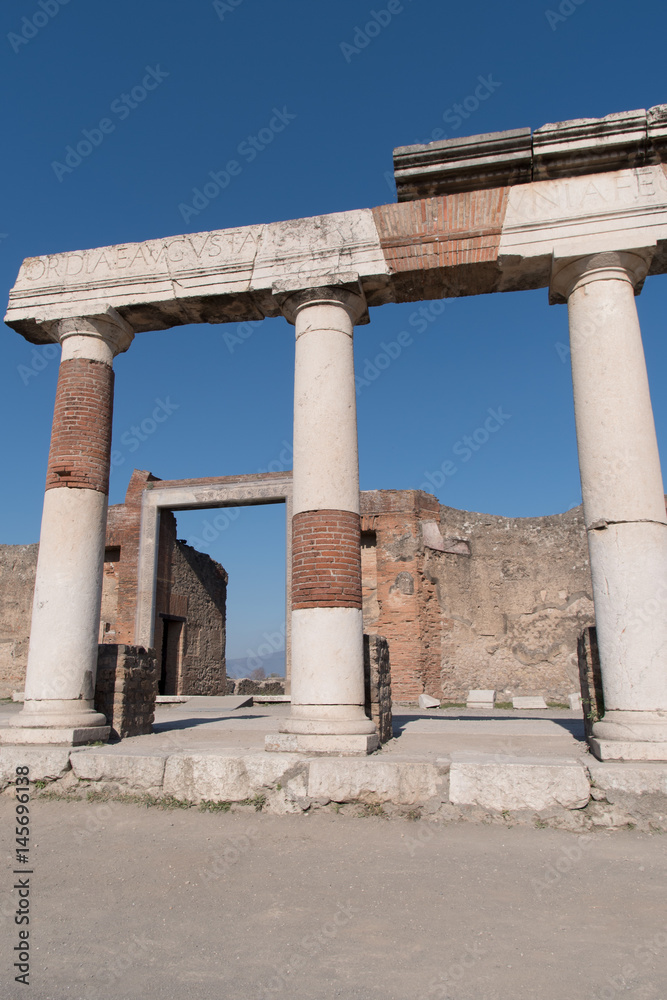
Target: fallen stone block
x: 403, y: 783
x: 524, y: 702
x: 481, y: 699
x: 426, y: 701
x: 517, y: 782
x: 575, y: 702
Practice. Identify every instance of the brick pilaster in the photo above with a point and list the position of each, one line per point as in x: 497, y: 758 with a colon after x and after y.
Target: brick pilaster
x: 81, y: 435
x: 326, y: 559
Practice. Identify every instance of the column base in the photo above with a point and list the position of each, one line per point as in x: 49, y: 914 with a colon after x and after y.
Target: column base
x: 627, y: 750
x: 53, y: 713
x: 621, y: 735
x: 632, y: 727
x: 341, y: 745
x: 59, y: 736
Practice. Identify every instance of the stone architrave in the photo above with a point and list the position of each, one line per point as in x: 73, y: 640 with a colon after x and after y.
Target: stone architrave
x: 62, y: 658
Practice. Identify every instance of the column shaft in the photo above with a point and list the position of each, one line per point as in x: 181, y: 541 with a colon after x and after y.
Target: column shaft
x: 62, y: 658
x: 327, y: 690
x: 624, y: 507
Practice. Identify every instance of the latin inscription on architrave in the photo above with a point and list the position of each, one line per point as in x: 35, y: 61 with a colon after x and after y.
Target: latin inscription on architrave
x: 227, y: 247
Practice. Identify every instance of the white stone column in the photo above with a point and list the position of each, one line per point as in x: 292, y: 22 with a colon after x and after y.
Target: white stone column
x: 327, y: 686
x: 62, y: 657
x: 624, y: 506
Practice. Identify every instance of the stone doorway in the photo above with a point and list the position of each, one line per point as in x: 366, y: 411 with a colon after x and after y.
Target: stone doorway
x: 198, y: 494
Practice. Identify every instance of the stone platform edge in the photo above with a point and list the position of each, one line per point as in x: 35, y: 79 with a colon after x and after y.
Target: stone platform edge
x: 556, y: 792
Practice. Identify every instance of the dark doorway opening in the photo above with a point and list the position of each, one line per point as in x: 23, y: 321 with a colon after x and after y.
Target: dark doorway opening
x: 172, y: 654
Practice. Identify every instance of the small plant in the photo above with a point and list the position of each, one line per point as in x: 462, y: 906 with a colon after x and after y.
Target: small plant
x: 335, y: 806
x: 209, y: 805
x: 372, y: 809
x: 540, y: 824
x: 258, y: 801
x: 413, y: 815
x: 109, y: 795
x: 39, y: 784
x: 504, y: 704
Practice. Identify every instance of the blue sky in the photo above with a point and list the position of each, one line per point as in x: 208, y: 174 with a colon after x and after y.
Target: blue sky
x: 218, y: 72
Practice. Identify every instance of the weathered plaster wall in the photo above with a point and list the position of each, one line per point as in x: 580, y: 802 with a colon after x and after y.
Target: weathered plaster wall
x: 17, y: 582
x: 513, y: 607
x: 473, y: 600
x: 201, y: 585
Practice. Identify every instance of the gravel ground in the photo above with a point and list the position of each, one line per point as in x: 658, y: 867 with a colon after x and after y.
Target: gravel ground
x: 130, y: 902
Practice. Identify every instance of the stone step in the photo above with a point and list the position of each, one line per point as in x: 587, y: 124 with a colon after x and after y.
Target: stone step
x: 581, y: 794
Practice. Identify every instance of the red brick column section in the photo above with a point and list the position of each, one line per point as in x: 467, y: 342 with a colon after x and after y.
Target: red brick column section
x: 81, y: 435
x: 326, y: 559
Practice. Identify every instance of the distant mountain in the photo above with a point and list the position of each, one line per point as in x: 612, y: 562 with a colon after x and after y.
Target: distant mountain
x: 244, y: 666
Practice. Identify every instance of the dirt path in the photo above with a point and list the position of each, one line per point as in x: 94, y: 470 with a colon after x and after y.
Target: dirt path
x: 131, y: 903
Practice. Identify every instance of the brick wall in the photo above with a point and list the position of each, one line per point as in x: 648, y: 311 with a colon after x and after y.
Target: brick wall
x: 377, y: 682
x: 400, y: 600
x: 126, y: 687
x: 81, y: 434
x: 326, y: 560
x: 435, y: 246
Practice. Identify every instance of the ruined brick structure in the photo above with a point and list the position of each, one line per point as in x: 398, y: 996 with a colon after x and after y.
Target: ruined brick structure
x: 17, y: 580
x: 190, y: 598
x: 473, y: 600
x: 399, y: 602
x: 190, y: 602
x: 465, y: 600
x: 125, y: 689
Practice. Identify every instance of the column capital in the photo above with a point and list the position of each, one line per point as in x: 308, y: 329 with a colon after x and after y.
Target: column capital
x: 99, y: 337
x: 568, y: 273
x: 343, y: 289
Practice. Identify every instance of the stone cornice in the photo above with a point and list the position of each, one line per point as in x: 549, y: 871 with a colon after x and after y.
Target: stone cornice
x: 562, y: 149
